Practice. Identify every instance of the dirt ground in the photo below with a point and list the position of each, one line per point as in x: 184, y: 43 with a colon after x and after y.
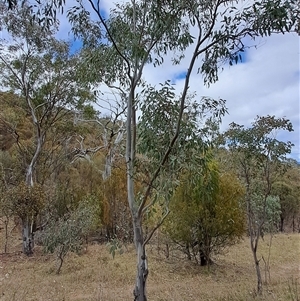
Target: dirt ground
x: 95, y: 275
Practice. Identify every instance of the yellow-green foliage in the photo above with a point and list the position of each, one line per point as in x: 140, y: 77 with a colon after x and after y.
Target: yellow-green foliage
x: 206, y: 210
x: 24, y: 200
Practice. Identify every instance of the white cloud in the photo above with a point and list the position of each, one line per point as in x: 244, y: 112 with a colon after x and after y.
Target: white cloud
x: 267, y: 83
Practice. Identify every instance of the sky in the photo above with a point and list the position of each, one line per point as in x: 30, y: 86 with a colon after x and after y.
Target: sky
x: 266, y: 82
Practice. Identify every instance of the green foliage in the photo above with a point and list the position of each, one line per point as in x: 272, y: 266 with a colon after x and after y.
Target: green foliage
x: 42, y: 72
x: 287, y: 189
x: 260, y: 160
x: 115, y: 245
x: 115, y: 52
x: 260, y: 141
x: 44, y: 13
x: 24, y: 200
x: 157, y: 128
x: 117, y: 49
x: 40, y: 68
x: 273, y: 211
x: 206, y: 214
x: 67, y: 233
x: 266, y: 212
x: 269, y: 16
x: 258, y: 153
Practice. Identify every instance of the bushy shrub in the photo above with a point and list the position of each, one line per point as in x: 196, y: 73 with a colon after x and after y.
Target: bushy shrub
x: 206, y: 215
x: 67, y: 233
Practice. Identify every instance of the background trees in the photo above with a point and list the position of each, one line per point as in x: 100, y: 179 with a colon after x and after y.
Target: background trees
x: 259, y: 157
x: 41, y: 71
x: 287, y: 189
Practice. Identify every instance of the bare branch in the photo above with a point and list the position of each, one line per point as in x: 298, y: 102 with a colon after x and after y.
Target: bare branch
x: 147, y: 239
x: 97, y: 11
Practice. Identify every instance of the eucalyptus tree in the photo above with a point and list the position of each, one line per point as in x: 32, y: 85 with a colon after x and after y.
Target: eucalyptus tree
x: 143, y: 33
x: 39, y: 69
x: 259, y: 157
x: 44, y: 12
x: 287, y: 189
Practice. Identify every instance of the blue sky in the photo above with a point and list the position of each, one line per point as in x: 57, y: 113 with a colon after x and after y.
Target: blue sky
x: 76, y: 45
x: 265, y: 82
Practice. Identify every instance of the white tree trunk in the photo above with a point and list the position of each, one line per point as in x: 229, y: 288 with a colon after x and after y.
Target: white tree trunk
x: 142, y: 263
x: 27, y: 236
x: 28, y: 220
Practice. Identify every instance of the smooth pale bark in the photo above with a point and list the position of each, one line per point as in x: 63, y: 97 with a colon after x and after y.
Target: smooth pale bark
x: 27, y: 235
x: 142, y: 270
x: 29, y: 219
x: 32, y: 164
x: 142, y: 263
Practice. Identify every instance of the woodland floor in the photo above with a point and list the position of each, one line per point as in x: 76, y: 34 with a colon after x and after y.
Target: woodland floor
x: 95, y: 275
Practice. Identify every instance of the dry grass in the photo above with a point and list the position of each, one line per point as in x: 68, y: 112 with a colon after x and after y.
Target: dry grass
x: 96, y: 276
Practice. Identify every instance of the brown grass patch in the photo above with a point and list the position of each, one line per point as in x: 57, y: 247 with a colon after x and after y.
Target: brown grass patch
x: 96, y: 276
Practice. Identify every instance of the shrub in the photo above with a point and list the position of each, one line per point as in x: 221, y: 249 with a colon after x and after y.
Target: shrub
x: 206, y: 215
x: 66, y: 234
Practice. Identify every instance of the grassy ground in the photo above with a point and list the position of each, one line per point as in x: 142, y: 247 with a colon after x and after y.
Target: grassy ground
x: 94, y: 275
